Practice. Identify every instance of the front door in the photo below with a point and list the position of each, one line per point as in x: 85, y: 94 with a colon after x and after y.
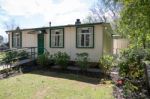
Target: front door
x: 40, y: 43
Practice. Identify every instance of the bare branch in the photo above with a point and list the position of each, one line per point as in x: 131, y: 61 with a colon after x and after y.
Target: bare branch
x: 10, y: 25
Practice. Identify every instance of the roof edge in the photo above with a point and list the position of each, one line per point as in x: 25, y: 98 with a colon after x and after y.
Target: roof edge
x: 72, y: 25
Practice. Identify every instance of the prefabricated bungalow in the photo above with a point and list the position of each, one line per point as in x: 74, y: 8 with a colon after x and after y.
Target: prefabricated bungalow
x: 93, y: 38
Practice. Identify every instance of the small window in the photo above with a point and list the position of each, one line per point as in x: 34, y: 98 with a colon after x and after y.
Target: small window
x: 57, y: 38
x: 16, y: 40
x: 85, y: 37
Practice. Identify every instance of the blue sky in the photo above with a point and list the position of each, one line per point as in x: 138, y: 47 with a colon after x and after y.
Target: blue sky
x: 38, y: 13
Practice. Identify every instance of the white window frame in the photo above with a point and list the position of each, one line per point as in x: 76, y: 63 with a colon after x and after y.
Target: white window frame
x: 16, y: 39
x: 57, y: 40
x: 81, y: 34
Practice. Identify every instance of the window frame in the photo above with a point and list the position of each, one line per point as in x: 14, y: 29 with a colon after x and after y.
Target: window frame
x: 93, y: 43
x: 50, y: 37
x: 20, y: 33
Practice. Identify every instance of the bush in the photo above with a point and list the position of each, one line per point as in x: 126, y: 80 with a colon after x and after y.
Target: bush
x: 131, y: 62
x: 13, y: 56
x: 106, y: 63
x: 43, y: 60
x: 132, y: 70
x: 10, y: 56
x: 23, y: 55
x: 62, y: 59
x: 82, y: 61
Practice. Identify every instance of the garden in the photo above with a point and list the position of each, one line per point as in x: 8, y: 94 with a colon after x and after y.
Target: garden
x: 51, y: 75
x: 39, y: 80
x: 129, y: 83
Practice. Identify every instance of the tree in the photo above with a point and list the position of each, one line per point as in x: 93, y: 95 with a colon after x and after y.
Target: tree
x: 103, y: 11
x: 134, y: 22
x: 10, y: 25
x: 131, y: 18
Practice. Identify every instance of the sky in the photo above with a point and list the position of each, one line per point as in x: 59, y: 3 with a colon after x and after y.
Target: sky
x: 38, y: 13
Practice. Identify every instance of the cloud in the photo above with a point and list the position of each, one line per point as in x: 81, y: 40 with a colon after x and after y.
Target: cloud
x: 50, y: 11
x: 37, y: 13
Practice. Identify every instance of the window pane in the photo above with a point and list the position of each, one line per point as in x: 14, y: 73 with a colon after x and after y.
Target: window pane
x: 61, y: 40
x: 16, y: 40
x: 57, y: 38
x: 55, y: 41
x: 57, y: 33
x: 85, y: 31
x: 82, y: 40
x: 85, y: 37
x: 87, y: 40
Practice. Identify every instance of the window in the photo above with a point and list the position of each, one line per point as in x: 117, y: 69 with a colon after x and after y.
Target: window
x: 57, y: 38
x: 85, y: 37
x: 16, y: 40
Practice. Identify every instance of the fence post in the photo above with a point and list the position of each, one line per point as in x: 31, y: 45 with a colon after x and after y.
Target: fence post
x: 147, y: 74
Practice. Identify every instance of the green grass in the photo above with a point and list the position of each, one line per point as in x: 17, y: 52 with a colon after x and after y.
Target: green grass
x: 2, y: 54
x: 51, y: 85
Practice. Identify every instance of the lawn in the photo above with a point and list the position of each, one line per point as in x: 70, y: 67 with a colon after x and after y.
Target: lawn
x: 2, y: 54
x: 52, y: 85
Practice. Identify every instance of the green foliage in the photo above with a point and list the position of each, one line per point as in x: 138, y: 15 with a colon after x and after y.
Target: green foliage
x: 134, y: 22
x: 43, y: 60
x: 132, y: 68
x: 129, y: 88
x: 62, y: 59
x: 12, y: 56
x: 23, y: 54
x: 2, y: 55
x: 82, y: 60
x: 106, y: 63
x: 131, y: 62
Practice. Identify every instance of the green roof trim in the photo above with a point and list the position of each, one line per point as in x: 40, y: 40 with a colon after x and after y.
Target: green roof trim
x: 62, y: 26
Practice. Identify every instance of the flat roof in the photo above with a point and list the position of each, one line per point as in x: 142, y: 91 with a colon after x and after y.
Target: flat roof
x: 71, y: 25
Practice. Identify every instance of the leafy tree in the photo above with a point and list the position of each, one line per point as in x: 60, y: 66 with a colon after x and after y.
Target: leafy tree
x: 131, y: 17
x: 134, y: 22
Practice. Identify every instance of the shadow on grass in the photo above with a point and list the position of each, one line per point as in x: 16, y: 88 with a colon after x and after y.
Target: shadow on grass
x: 67, y: 75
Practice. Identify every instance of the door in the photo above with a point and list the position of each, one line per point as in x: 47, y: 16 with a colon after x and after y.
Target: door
x: 40, y: 44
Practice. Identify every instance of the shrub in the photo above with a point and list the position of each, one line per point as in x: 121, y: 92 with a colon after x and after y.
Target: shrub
x: 43, y: 60
x: 23, y: 55
x: 10, y: 56
x: 82, y: 61
x: 131, y: 62
x: 13, y: 56
x: 106, y: 63
x: 132, y: 70
x: 62, y: 59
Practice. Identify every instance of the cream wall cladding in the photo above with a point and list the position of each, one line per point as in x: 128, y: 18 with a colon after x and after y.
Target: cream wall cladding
x: 10, y: 40
x: 30, y: 40
x: 70, y: 43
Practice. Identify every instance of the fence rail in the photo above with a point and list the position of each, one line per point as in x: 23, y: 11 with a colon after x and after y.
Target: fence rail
x: 13, y: 57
